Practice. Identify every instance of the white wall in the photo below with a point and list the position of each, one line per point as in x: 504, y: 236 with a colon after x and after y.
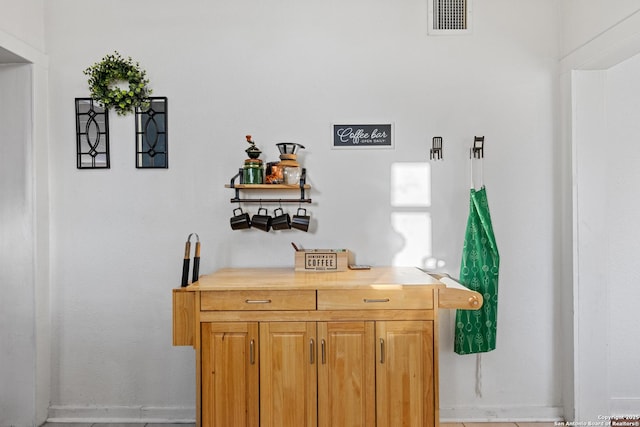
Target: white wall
x: 597, y: 34
x: 591, y: 284
x: 606, y: 106
x: 24, y: 21
x: 622, y: 176
x: 508, y: 64
x: 24, y: 225
x: 585, y: 20
x: 17, y: 311
x: 286, y: 71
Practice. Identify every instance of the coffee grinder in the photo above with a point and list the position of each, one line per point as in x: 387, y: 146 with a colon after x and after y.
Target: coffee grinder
x: 253, y: 171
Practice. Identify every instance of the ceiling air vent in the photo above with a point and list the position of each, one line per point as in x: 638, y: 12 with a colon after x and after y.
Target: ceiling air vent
x: 448, y: 17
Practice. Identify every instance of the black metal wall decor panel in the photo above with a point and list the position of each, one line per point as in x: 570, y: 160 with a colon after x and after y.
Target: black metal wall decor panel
x: 151, y: 135
x: 92, y: 135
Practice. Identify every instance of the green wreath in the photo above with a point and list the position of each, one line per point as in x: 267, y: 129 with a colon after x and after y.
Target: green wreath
x: 114, y: 69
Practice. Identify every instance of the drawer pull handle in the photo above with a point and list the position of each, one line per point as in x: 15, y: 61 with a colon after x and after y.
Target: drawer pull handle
x: 258, y: 301
x: 371, y: 300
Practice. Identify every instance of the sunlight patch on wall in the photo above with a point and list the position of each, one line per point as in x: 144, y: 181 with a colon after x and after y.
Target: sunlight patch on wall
x: 410, y: 200
x: 415, y: 229
x: 411, y: 185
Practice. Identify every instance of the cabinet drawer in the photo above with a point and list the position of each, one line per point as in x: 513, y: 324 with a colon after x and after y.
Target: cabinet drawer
x: 257, y: 300
x: 376, y: 299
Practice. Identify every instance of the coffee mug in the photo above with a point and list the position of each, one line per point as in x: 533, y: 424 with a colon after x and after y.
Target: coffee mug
x: 301, y: 222
x: 260, y: 221
x: 240, y: 221
x: 280, y: 221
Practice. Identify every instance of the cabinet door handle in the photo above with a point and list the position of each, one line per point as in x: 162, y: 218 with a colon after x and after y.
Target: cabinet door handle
x: 372, y: 300
x: 381, y: 350
x: 311, y: 348
x: 322, y: 345
x: 258, y: 301
x: 252, y: 354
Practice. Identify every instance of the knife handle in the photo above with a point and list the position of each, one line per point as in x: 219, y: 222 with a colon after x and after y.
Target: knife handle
x: 196, y: 264
x: 185, y: 264
x: 185, y: 272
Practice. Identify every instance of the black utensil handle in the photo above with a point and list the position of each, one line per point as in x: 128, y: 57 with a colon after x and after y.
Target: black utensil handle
x: 196, y: 269
x: 196, y: 264
x: 185, y: 272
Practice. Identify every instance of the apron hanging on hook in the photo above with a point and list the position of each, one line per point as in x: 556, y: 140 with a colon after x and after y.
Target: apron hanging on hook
x: 475, y: 331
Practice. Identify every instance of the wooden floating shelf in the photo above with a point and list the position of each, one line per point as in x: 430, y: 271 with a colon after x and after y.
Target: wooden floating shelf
x: 268, y: 186
x: 302, y: 186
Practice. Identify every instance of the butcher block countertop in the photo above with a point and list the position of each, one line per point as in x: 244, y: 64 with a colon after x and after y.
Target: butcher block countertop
x: 287, y: 278
x: 407, y: 280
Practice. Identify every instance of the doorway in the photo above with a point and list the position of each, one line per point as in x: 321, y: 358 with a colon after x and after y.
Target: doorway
x: 606, y: 158
x: 17, y: 242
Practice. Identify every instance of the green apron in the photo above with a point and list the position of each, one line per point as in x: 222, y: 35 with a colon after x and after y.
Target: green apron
x: 476, y: 329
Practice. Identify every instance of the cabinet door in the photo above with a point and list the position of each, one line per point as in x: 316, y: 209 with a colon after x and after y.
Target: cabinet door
x: 288, y: 374
x: 346, y: 374
x: 229, y: 371
x: 405, y: 391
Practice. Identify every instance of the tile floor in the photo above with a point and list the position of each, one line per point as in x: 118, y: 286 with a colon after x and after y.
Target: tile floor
x: 115, y: 425
x: 517, y: 424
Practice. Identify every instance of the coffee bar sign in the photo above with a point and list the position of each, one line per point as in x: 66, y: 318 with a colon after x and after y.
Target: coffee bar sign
x: 363, y: 136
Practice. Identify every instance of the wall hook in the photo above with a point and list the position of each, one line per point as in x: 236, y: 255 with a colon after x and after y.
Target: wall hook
x: 477, y: 150
x: 436, y: 148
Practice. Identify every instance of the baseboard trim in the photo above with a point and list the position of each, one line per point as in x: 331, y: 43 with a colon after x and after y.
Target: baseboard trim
x: 185, y: 414
x: 625, y: 407
x: 501, y: 414
x: 121, y: 414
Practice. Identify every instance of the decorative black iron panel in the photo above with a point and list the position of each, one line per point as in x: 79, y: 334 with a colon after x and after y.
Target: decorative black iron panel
x: 92, y: 135
x: 151, y: 135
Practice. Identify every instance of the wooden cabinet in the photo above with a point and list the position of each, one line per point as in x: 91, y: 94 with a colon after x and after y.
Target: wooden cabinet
x: 254, y: 372
x: 276, y: 348
x: 346, y: 374
x: 287, y: 374
x: 376, y: 374
x: 229, y: 374
x: 405, y: 374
